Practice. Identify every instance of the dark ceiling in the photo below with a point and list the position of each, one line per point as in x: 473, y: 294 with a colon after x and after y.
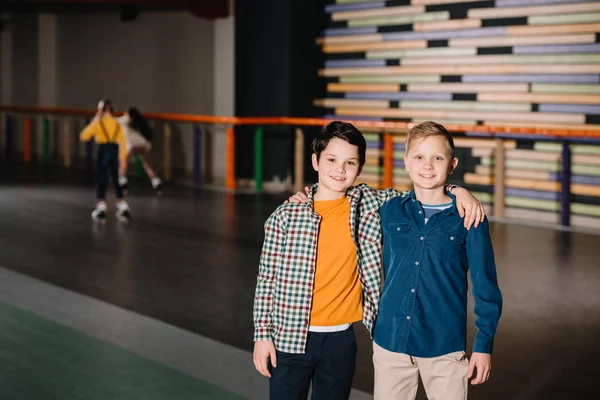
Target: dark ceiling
x: 209, y: 9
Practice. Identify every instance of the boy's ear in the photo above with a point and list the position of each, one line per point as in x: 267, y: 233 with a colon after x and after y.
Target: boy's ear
x: 453, y: 165
x: 315, y: 162
x: 405, y: 162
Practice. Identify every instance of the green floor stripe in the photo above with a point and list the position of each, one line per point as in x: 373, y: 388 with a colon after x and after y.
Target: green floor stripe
x: 40, y: 359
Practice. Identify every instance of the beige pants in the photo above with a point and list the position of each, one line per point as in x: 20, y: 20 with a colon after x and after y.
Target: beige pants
x: 397, y: 375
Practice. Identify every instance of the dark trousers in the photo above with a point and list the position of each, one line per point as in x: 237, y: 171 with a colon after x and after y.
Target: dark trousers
x: 107, y: 165
x: 328, y: 362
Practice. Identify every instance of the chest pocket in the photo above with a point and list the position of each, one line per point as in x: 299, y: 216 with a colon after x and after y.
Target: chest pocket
x: 397, y: 235
x: 450, y: 243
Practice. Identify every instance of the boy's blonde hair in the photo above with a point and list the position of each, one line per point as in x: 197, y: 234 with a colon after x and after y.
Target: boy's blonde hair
x: 430, y: 128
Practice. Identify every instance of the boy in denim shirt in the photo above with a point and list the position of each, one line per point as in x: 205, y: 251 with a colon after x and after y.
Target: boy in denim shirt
x: 320, y: 271
x: 421, y: 325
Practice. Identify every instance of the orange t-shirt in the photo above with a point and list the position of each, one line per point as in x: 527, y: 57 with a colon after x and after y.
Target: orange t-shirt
x: 337, y: 293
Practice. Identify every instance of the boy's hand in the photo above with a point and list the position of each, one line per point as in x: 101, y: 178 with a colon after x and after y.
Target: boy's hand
x: 263, y: 350
x: 469, y: 207
x: 483, y: 363
x: 299, y: 197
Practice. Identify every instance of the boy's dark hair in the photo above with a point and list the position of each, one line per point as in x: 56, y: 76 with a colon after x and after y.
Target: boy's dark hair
x: 430, y: 128
x: 340, y: 130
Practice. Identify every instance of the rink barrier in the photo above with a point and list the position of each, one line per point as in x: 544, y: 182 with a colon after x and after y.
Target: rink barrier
x: 66, y: 127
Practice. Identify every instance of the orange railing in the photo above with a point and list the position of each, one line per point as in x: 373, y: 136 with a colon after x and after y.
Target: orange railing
x: 387, y: 128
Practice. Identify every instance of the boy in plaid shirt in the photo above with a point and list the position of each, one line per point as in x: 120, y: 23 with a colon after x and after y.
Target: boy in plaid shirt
x: 319, y: 272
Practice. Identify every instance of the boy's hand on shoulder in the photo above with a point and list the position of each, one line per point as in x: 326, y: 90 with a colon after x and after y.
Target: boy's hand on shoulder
x: 483, y: 363
x: 469, y: 207
x: 299, y: 197
x: 263, y: 350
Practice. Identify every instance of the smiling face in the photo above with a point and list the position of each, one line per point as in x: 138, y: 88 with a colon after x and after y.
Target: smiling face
x: 429, y: 161
x: 338, y: 165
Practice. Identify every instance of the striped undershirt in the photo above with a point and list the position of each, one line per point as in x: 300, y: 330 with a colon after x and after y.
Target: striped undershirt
x: 431, y: 210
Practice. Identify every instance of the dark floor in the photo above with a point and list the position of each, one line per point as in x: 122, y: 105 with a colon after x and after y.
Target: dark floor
x: 190, y: 258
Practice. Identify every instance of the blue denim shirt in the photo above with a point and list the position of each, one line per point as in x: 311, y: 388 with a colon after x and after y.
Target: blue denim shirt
x: 423, y: 307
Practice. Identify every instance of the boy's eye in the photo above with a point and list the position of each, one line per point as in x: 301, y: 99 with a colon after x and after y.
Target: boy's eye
x: 439, y: 158
x: 418, y: 157
x: 330, y: 160
x: 352, y: 163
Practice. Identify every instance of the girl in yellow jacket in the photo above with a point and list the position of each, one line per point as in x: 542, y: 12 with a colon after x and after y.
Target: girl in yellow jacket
x: 109, y: 137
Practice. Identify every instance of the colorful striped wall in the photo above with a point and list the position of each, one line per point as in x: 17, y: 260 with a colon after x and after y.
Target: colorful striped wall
x: 526, y: 63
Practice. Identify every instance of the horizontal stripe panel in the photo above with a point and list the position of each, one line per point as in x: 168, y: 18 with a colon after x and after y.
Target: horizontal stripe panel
x: 540, y: 98
x: 401, y: 19
x: 569, y: 48
x: 377, y: 12
x: 530, y: 215
x: 447, y: 121
x: 433, y: 114
x: 552, y: 29
x: 508, y: 59
x: 354, y: 63
x: 582, y: 179
x: 468, y: 87
x: 391, y: 78
x: 465, y: 105
x: 401, y: 96
x: 465, y: 69
x: 577, y: 149
x: 533, y: 194
x: 567, y: 78
x: 347, y: 31
x: 351, y: 117
x: 512, y: 3
x: 549, y: 88
x: 563, y: 19
x: 585, y: 159
x: 524, y: 40
x: 430, y: 2
x: 330, y: 40
x: 447, y: 25
x: 483, y: 143
x: 436, y: 35
x: 539, y: 125
x: 570, y: 108
x: 368, y: 46
x: 349, y: 87
x: 333, y: 103
x: 534, y: 10
x: 331, y: 8
x: 431, y: 52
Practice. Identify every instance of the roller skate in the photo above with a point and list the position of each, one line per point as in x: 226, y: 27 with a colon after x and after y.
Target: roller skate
x: 123, y: 212
x: 157, y: 185
x: 123, y: 183
x: 99, y: 214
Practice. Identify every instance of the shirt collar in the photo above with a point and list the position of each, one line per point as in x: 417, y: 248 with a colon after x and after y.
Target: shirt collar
x: 352, y: 193
x: 450, y: 210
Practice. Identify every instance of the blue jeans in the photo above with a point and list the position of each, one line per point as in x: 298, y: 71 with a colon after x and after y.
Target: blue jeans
x: 328, y: 363
x: 107, y: 165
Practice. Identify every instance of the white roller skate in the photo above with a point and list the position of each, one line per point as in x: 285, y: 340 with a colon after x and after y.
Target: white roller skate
x: 99, y: 214
x: 123, y: 183
x: 157, y: 184
x: 123, y: 211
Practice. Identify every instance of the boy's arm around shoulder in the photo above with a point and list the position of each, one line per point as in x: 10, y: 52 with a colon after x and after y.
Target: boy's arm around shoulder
x: 380, y: 196
x: 487, y: 295
x: 270, y: 259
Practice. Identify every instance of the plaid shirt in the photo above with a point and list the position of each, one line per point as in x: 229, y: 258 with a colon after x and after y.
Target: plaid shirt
x: 284, y: 290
